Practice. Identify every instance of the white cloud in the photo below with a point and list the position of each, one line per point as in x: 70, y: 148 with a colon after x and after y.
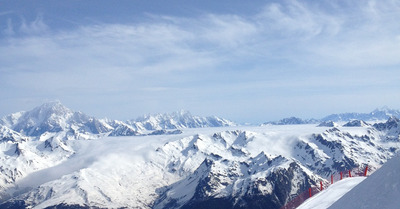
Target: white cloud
x: 9, y: 30
x: 35, y: 27
x: 227, y: 31
x: 3, y: 13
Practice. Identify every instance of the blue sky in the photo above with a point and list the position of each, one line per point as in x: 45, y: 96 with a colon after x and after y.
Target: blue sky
x: 248, y: 62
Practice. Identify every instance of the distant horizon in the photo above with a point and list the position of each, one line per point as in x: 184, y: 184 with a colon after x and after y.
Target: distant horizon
x: 194, y: 114
x: 246, y: 61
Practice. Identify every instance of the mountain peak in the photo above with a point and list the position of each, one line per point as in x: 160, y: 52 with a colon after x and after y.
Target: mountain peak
x: 392, y: 123
x: 49, y: 111
x: 356, y: 123
x: 50, y: 116
x: 393, y: 119
x: 181, y: 113
x: 383, y: 109
x: 53, y: 106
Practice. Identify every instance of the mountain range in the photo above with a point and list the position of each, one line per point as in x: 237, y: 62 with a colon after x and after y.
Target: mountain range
x: 379, y: 114
x: 55, y: 120
x: 46, y: 160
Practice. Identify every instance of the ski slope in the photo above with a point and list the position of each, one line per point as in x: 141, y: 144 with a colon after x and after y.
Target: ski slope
x: 327, y: 197
x: 380, y: 190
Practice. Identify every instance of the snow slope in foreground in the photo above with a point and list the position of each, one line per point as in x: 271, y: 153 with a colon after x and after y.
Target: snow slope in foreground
x: 327, y: 197
x: 380, y: 190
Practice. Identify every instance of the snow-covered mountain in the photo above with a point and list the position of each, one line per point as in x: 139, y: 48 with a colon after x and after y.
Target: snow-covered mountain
x: 378, y: 114
x: 222, y: 167
x: 44, y: 137
x: 123, y: 129
x: 9, y: 135
x: 356, y: 123
x: 239, y: 167
x: 21, y: 156
x: 228, y: 174
x: 178, y: 120
x: 292, y: 121
x: 55, y: 120
x: 230, y: 184
x: 391, y: 124
x: 328, y: 124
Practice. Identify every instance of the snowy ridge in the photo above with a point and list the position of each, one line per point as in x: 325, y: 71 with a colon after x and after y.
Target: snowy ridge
x: 123, y: 129
x: 178, y: 120
x: 356, y: 123
x: 8, y: 135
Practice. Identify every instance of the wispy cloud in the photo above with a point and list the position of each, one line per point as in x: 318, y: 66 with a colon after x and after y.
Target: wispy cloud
x: 3, y: 13
x: 9, y: 30
x: 35, y: 27
x: 167, y: 62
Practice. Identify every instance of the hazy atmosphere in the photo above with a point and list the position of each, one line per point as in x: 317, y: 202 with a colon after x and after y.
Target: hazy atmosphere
x: 245, y: 61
